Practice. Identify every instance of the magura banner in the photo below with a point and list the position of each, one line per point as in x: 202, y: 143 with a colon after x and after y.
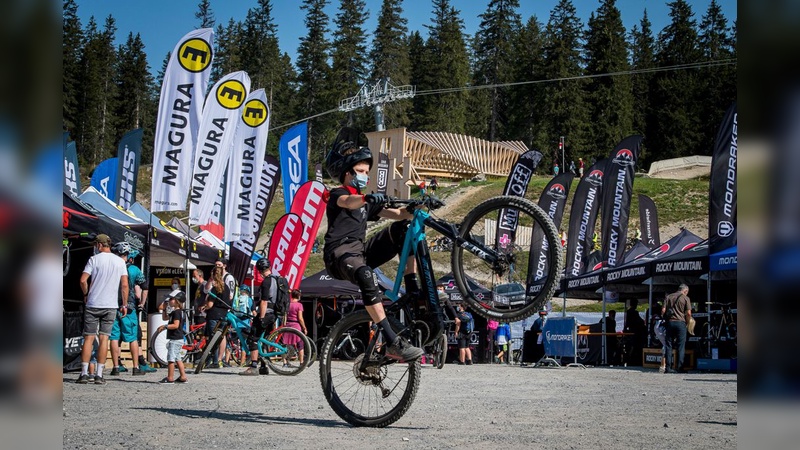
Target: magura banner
x: 179, y: 110
x: 293, y: 148
x: 552, y: 201
x: 617, y: 193
x: 283, y: 244
x: 516, y: 185
x: 129, y: 153
x: 648, y: 222
x: 72, y: 177
x: 309, y: 204
x: 214, y: 142
x: 242, y: 250
x: 244, y: 174
x: 722, y: 190
x: 582, y: 219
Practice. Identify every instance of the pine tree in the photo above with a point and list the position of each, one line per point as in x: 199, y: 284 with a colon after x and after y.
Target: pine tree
x: 228, y: 51
x: 609, y: 98
x: 418, y: 61
x: 134, y: 103
x: 676, y: 121
x: 564, y: 108
x: 72, y: 40
x: 349, y: 55
x: 390, y: 59
x: 642, y: 58
x: 718, y: 85
x: 495, y: 59
x: 205, y: 15
x: 527, y: 100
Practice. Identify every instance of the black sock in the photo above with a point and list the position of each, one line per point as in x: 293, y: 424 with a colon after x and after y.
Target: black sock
x: 411, y: 283
x: 254, y: 364
x: 388, y: 332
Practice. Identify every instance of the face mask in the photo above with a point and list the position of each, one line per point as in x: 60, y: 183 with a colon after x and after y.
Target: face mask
x: 360, y: 181
x: 196, y: 281
x: 95, y: 250
x: 175, y: 286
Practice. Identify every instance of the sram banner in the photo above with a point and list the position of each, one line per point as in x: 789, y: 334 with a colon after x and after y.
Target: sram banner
x: 309, y: 204
x: 179, y: 110
x: 128, y: 155
x: 214, y: 141
x: 283, y: 243
x: 293, y: 148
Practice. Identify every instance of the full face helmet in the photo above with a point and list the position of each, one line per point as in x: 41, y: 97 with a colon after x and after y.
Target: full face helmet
x: 346, y: 153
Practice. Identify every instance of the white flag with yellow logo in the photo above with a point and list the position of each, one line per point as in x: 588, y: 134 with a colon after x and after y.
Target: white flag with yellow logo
x: 214, y: 141
x: 244, y: 168
x: 179, y: 110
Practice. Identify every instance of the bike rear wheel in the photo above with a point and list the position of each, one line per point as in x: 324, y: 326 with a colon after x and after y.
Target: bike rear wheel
x: 157, y: 347
x: 288, y: 362
x: 377, y: 396
x: 312, y: 352
x: 211, y: 346
x: 440, y: 351
x: 519, y: 268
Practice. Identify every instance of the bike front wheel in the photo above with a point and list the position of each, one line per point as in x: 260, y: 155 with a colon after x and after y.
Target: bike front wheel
x: 376, y: 393
x: 289, y: 362
x: 510, y: 261
x: 212, y: 346
x: 440, y: 351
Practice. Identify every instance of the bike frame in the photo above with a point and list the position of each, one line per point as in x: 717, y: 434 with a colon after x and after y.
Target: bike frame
x: 240, y: 324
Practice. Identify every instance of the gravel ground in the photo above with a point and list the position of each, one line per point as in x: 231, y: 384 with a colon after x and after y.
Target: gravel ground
x: 479, y: 406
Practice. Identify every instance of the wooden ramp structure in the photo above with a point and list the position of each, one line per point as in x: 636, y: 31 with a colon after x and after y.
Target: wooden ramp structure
x: 419, y: 155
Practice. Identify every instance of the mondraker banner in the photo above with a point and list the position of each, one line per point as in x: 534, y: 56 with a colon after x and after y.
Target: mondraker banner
x: 648, y: 222
x: 72, y: 176
x: 283, y: 244
x: 214, y: 142
x: 552, y: 201
x: 293, y: 148
x: 617, y: 192
x: 104, y: 177
x: 582, y: 219
x: 244, y: 174
x: 516, y: 185
x: 179, y: 110
x: 722, y: 191
x: 242, y: 249
x: 129, y: 153
x: 309, y: 204
x: 383, y: 172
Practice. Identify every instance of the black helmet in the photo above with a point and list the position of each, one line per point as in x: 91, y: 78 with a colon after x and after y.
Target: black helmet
x: 262, y: 264
x: 346, y: 153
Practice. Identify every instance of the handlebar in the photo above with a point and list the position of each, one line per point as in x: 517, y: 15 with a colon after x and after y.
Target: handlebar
x: 429, y: 201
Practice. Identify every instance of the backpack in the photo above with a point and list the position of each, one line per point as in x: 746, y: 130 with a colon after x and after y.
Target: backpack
x: 467, y: 324
x: 279, y: 295
x: 242, y: 307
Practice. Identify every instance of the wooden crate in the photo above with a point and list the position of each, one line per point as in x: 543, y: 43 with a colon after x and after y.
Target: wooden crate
x: 651, y: 358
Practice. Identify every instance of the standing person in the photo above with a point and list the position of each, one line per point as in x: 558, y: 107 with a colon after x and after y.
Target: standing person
x: 537, y: 327
x: 611, y: 339
x: 199, y: 297
x: 126, y: 326
x: 434, y: 185
x: 217, y: 304
x: 294, y: 319
x: 555, y: 169
x: 677, y: 313
x: 572, y: 167
x: 503, y: 337
x: 175, y: 332
x: 464, y: 328
x: 346, y: 254
x: 109, y: 280
x: 264, y: 321
x: 634, y: 324
x: 134, y: 273
x: 580, y: 167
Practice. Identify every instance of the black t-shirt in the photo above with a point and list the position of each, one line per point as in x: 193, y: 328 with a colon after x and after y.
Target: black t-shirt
x: 347, y: 223
x: 179, y: 333
x: 220, y: 309
x: 262, y: 293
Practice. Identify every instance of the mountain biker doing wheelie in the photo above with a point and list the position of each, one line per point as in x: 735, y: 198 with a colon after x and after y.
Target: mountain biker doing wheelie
x: 346, y: 255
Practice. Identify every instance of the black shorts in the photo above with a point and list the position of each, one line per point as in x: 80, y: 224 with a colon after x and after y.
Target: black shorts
x: 345, y: 259
x: 260, y: 327
x: 463, y: 340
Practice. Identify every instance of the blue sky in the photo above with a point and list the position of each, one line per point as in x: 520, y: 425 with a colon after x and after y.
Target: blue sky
x: 162, y: 23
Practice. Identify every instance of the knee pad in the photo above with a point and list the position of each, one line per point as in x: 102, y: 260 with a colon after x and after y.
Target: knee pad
x: 368, y: 283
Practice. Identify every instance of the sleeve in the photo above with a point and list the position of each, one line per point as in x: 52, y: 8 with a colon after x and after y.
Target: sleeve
x: 141, y: 281
x: 89, y: 268
x: 263, y: 291
x: 335, y: 194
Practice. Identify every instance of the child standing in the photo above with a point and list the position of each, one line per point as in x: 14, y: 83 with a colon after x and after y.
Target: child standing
x: 172, y: 311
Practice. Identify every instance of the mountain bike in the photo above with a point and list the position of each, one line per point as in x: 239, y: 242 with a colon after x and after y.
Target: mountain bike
x: 720, y: 327
x: 374, y: 390
x: 194, y: 342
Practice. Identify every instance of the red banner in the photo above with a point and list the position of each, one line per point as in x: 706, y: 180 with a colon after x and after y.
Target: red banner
x: 309, y: 204
x: 283, y: 243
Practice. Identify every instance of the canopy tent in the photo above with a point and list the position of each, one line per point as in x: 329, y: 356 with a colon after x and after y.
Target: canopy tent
x: 683, y: 267
x: 182, y: 228
x: 81, y: 220
x: 321, y: 284
x: 725, y: 260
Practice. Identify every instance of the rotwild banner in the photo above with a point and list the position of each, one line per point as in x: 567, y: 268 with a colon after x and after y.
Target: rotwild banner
x: 648, y: 222
x: 722, y: 190
x: 582, y: 219
x: 72, y: 178
x: 244, y: 174
x: 293, y: 148
x: 179, y: 110
x: 214, y: 142
x: 242, y: 250
x: 129, y: 153
x: 516, y: 185
x: 309, y: 204
x: 283, y: 244
x: 383, y: 173
x: 552, y: 201
x: 617, y: 192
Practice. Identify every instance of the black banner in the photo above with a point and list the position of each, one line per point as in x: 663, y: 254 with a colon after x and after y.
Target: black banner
x: 617, y: 191
x: 582, y: 219
x: 648, y: 222
x: 242, y: 250
x: 383, y: 172
x: 552, y: 201
x: 722, y: 191
x: 72, y: 178
x: 318, y: 172
x: 129, y: 153
x: 516, y: 185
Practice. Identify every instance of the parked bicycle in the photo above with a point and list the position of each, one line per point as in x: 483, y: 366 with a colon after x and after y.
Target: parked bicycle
x: 194, y: 342
x: 374, y: 390
x: 720, y: 327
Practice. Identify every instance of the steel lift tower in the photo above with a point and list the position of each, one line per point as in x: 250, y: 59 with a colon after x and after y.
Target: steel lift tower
x: 375, y: 95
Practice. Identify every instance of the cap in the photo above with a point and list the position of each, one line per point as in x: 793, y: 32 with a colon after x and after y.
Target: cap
x: 102, y: 239
x: 543, y: 311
